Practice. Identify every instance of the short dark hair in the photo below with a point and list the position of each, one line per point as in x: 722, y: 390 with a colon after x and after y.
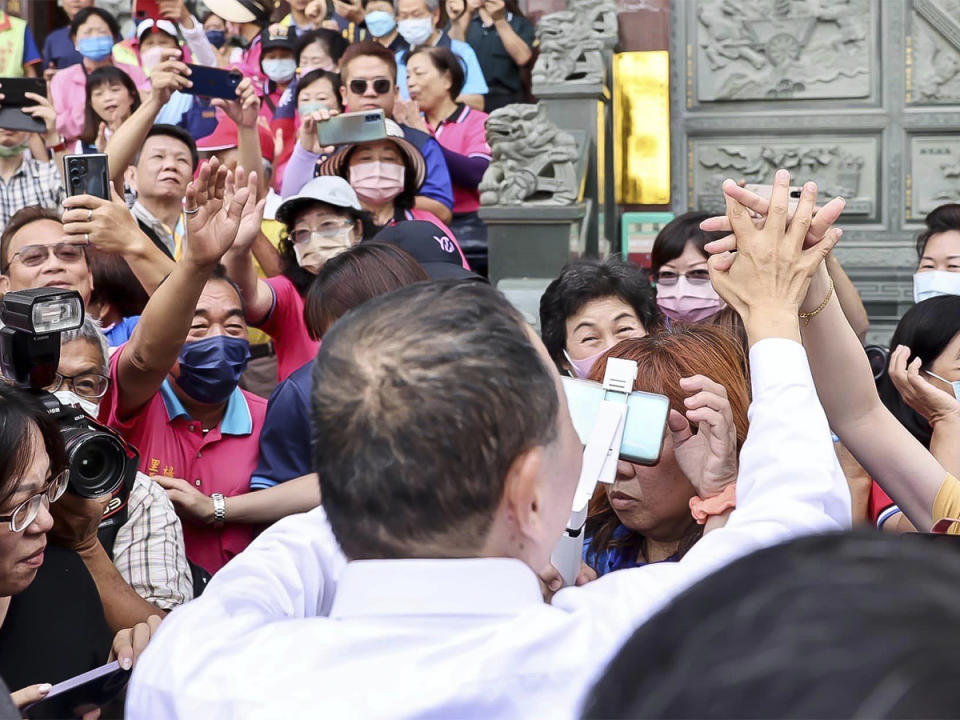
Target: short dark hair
x: 368, y: 48
x: 107, y: 75
x: 114, y: 283
x: 81, y: 17
x: 926, y: 328
x: 18, y: 411
x: 349, y: 279
x: 177, y: 133
x: 444, y: 61
x: 20, y: 219
x: 315, y: 75
x: 584, y: 280
x: 334, y: 44
x: 220, y: 273
x: 674, y: 236
x: 826, y: 626
x: 422, y: 399
x: 940, y: 219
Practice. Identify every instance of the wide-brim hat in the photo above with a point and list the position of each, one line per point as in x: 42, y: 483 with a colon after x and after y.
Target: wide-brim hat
x: 334, y: 165
x: 241, y: 11
x: 329, y: 189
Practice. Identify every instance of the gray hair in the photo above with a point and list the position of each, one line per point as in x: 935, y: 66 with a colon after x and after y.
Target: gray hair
x: 91, y: 332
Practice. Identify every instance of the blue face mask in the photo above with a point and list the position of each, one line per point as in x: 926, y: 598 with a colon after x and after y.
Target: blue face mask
x: 380, y: 23
x: 95, y: 48
x: 210, y: 369
x: 217, y: 37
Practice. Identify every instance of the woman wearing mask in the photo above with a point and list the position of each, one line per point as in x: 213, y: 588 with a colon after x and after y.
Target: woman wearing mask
x: 938, y: 250
x: 381, y: 23
x: 435, y: 77
x: 645, y: 515
x: 590, y: 307
x: 111, y: 98
x: 215, y: 28
x: 95, y: 32
x: 324, y: 219
x: 279, y: 65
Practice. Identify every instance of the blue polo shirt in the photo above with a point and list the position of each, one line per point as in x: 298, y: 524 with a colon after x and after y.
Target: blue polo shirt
x: 436, y: 183
x: 474, y: 82
x: 59, y: 50
x: 614, y: 558
x: 285, y: 439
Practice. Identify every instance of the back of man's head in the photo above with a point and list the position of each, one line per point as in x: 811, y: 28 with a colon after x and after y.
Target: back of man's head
x: 422, y: 399
x: 829, y: 626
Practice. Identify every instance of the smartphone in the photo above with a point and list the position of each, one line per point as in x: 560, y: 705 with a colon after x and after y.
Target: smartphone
x: 765, y: 191
x: 352, y: 127
x: 213, y: 82
x: 143, y: 9
x: 87, y: 175
x: 83, y: 693
x: 646, y: 422
x: 15, y: 98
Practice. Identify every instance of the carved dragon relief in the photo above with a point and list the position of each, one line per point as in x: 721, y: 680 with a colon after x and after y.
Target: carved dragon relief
x: 935, y: 52
x: 839, y: 167
x: 782, y: 49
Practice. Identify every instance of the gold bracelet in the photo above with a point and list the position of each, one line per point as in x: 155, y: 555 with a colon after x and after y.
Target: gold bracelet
x: 807, y: 316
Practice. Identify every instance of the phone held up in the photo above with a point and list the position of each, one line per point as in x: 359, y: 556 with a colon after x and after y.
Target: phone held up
x: 87, y: 175
x: 213, y: 82
x: 353, y: 127
x: 81, y: 694
x: 12, y: 116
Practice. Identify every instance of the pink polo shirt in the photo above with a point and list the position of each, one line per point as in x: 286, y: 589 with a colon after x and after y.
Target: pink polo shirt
x: 172, y: 444
x: 69, y: 92
x: 464, y: 132
x: 285, y: 324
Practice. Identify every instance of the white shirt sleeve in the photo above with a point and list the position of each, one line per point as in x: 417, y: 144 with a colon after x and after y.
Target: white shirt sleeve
x: 201, y: 49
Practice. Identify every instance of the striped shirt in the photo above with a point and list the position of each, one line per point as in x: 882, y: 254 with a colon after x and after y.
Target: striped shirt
x: 149, y: 551
x: 34, y: 183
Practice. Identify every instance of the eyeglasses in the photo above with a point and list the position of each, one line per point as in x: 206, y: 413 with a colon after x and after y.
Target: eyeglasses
x: 381, y: 86
x: 27, y: 511
x: 87, y: 385
x: 34, y: 255
x: 697, y: 277
x: 327, y: 231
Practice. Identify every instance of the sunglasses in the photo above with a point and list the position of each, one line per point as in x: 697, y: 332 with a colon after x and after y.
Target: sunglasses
x: 381, y: 86
x: 34, y: 255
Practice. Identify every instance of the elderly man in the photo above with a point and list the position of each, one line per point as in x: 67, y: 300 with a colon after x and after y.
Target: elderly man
x: 448, y: 463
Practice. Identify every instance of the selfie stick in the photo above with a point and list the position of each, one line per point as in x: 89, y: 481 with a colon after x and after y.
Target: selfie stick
x: 599, y: 463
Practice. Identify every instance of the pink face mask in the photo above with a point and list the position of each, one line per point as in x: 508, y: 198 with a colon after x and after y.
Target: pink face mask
x: 377, y: 182
x: 583, y: 368
x: 689, y: 302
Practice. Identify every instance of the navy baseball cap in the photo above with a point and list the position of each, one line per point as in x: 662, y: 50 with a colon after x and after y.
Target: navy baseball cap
x: 430, y: 246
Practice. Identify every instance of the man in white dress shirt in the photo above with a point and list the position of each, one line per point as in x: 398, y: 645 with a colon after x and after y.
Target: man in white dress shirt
x: 448, y: 464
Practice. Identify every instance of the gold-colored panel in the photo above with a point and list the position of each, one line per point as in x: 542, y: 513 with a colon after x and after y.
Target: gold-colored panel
x: 641, y: 127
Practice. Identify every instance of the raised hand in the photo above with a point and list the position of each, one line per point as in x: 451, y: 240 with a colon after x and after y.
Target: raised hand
x: 918, y: 392
x: 708, y: 458
x: 214, y: 212
x: 106, y: 224
x: 767, y: 278
x: 245, y: 110
x: 307, y: 136
x: 251, y: 218
x: 168, y: 75
x: 407, y: 112
x: 44, y: 111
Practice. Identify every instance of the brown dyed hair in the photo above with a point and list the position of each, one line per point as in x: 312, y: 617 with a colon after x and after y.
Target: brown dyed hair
x: 355, y: 276
x: 662, y: 359
x: 367, y: 48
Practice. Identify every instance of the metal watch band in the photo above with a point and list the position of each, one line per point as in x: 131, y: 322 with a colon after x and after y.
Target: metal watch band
x: 219, y: 508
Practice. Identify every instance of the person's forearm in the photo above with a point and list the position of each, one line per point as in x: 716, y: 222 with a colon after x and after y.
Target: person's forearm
x: 443, y: 213
x: 249, y: 156
x: 257, y: 295
x: 892, y: 457
x: 945, y: 444
x: 266, y: 254
x: 299, y: 170
x: 458, y: 27
x: 849, y: 298
x: 267, y: 506
x: 122, y: 606
x: 515, y: 45
x: 465, y: 171
x: 203, y: 52
x: 149, y: 264
x: 126, y: 140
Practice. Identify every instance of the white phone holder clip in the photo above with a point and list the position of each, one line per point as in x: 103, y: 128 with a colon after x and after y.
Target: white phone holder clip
x: 599, y: 463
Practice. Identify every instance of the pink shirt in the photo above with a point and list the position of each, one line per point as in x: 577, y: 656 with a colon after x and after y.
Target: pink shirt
x: 465, y: 132
x: 69, y: 92
x: 172, y: 444
x: 285, y: 324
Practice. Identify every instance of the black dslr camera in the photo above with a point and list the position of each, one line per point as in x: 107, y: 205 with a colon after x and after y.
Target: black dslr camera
x: 99, y: 461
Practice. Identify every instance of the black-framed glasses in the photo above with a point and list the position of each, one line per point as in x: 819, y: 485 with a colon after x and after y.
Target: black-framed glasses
x: 92, y: 386
x: 34, y: 255
x: 27, y: 511
x: 669, y: 277
x: 381, y: 86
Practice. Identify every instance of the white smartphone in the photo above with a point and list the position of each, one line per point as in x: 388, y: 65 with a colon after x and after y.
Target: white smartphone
x: 354, y: 127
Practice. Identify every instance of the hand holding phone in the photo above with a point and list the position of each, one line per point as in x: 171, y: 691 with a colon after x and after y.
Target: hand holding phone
x: 82, y: 693
x: 87, y: 175
x: 16, y: 98
x: 355, y: 127
x: 213, y: 82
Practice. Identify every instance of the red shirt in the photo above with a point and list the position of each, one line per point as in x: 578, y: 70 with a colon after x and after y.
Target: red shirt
x: 464, y: 132
x: 172, y: 444
x: 285, y: 324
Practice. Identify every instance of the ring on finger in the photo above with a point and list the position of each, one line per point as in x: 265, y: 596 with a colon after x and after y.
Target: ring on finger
x: 86, y: 238
x: 188, y: 211
x: 89, y: 214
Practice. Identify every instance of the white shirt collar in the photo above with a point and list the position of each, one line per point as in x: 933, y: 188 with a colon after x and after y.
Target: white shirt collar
x: 473, y: 586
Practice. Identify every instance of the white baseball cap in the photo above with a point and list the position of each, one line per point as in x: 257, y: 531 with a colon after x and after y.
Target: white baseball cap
x: 149, y: 24
x: 329, y: 189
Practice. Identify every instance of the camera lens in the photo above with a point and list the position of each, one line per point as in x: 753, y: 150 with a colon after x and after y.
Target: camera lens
x: 96, y: 461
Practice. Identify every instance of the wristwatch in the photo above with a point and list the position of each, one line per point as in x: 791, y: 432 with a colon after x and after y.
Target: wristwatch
x: 59, y: 147
x: 219, y: 509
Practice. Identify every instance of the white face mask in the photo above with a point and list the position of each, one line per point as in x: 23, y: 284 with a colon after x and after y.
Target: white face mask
x: 416, y: 31
x: 68, y: 397
x: 280, y: 71
x: 933, y: 283
x: 955, y: 384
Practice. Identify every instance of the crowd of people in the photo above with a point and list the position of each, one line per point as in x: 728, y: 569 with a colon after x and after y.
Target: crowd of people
x: 355, y: 457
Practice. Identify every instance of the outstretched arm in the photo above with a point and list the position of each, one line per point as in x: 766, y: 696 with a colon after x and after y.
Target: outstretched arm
x: 849, y: 297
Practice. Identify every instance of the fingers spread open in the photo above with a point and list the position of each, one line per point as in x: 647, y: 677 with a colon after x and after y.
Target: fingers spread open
x: 825, y: 217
